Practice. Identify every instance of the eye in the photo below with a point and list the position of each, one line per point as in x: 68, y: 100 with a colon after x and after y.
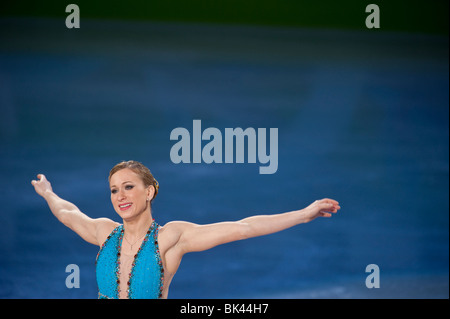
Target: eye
x: 113, y: 191
x: 128, y: 187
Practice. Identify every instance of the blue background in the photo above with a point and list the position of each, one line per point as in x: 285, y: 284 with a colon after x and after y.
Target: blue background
x: 362, y: 117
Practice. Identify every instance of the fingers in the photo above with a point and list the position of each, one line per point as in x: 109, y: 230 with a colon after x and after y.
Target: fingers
x: 40, y: 177
x: 330, y: 201
x: 327, y: 206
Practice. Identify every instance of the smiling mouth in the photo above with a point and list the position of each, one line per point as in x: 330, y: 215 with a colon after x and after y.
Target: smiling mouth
x: 124, y: 206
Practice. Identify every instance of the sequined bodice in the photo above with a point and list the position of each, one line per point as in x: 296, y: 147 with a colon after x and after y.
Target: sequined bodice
x: 145, y: 280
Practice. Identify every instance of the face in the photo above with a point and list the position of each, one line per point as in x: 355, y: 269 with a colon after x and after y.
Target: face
x: 129, y: 194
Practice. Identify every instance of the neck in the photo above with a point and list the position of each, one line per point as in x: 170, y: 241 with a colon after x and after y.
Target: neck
x: 138, y: 226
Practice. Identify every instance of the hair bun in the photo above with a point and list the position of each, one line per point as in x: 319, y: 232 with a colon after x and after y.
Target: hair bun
x: 156, y: 187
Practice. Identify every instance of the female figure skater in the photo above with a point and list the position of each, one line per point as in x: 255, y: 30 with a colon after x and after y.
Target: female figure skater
x: 138, y: 258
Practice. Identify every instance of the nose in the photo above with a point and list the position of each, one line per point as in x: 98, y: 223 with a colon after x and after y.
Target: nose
x: 121, y: 195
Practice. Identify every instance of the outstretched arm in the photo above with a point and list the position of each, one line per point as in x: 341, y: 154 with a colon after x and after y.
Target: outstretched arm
x: 268, y: 224
x: 194, y: 237
x: 91, y: 230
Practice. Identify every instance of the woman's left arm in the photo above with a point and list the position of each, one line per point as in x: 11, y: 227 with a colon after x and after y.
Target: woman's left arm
x: 195, y: 237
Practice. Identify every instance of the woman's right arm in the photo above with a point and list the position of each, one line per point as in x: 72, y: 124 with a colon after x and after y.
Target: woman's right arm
x: 91, y: 230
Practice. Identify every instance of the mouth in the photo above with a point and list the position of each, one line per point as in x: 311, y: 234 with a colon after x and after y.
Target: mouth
x: 125, y: 206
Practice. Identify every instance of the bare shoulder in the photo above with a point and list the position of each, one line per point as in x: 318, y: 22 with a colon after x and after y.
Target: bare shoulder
x: 171, y: 232
x: 177, y: 226
x: 104, y: 227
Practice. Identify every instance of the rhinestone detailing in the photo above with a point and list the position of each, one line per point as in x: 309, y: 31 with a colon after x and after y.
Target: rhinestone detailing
x: 146, y: 277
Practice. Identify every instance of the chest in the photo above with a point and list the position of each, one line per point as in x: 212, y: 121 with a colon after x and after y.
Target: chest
x: 130, y: 273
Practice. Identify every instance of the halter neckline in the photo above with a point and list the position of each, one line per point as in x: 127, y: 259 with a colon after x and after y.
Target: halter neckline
x: 145, y: 279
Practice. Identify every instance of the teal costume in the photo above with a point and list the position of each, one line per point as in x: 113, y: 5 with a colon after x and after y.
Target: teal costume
x: 147, y: 273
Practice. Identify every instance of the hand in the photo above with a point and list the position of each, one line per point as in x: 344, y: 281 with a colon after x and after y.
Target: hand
x: 42, y: 185
x: 321, y: 208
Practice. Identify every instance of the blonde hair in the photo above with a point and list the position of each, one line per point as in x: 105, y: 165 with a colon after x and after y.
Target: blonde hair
x: 140, y: 169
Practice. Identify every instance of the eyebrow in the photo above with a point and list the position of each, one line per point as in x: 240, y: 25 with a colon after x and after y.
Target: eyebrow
x: 122, y: 184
